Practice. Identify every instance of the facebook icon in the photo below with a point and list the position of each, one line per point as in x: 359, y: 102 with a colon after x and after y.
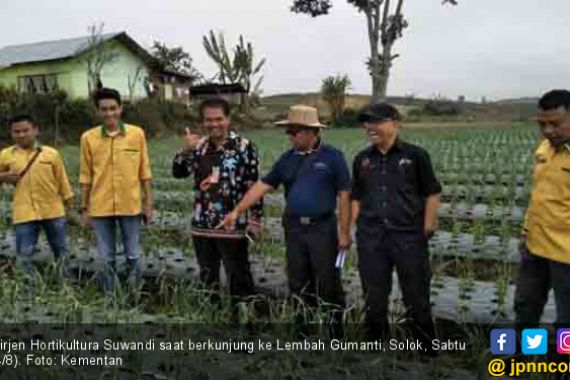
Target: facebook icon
x: 503, y: 341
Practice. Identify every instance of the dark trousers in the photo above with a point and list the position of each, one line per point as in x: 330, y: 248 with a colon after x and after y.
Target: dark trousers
x: 537, y: 276
x: 379, y: 251
x: 311, y: 256
x: 234, y: 254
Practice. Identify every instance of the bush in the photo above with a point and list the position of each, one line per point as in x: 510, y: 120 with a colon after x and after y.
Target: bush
x: 76, y: 116
x: 177, y: 116
x: 43, y: 107
x: 414, y: 113
x: 146, y: 114
x: 243, y: 121
x: 159, y: 118
x: 439, y: 107
x: 348, y: 118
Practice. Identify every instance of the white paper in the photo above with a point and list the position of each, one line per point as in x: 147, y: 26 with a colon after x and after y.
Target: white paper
x: 215, y: 178
x: 340, y: 257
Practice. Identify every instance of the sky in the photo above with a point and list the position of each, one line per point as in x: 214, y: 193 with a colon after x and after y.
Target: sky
x: 480, y: 48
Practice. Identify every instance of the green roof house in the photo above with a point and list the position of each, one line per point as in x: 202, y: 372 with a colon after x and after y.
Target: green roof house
x: 46, y: 66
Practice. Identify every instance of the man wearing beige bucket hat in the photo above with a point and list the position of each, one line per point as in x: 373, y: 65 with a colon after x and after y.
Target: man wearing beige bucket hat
x: 314, y: 175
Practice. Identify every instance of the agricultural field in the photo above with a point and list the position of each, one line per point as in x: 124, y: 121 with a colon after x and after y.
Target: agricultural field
x: 486, y: 176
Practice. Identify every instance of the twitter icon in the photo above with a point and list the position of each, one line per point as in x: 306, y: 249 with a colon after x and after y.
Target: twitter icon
x: 534, y: 341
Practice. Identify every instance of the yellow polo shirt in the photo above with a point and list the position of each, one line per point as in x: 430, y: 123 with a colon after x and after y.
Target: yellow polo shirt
x: 41, y: 193
x: 114, y: 166
x: 547, y: 220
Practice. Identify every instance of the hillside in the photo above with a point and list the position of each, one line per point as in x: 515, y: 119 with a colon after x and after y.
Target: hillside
x: 525, y: 100
x: 276, y: 106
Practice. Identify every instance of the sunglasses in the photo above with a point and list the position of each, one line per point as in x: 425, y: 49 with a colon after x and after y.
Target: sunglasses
x: 294, y: 131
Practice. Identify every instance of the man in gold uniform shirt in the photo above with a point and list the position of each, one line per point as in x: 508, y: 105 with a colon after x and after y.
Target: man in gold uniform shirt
x: 41, y: 188
x: 114, y: 167
x: 545, y: 239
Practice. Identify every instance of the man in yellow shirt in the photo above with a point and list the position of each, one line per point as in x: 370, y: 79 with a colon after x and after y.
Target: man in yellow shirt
x: 114, y: 166
x: 545, y: 239
x: 41, y: 188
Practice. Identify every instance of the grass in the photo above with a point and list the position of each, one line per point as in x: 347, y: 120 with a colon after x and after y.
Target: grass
x: 481, y: 155
x: 461, y: 157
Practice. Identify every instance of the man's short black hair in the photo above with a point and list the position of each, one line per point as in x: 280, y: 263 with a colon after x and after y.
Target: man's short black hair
x: 217, y: 102
x: 18, y: 118
x: 107, y: 93
x: 379, y: 112
x: 554, y: 99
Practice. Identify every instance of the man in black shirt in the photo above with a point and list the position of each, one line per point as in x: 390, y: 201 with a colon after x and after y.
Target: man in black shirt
x: 395, y: 196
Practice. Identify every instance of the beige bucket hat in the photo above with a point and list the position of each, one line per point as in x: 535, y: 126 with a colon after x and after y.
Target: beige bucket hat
x: 303, y: 116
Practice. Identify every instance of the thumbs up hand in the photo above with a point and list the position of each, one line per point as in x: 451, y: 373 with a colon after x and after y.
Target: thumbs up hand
x: 191, y: 140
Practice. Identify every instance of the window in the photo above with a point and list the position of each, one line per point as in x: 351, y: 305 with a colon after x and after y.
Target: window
x: 37, y: 84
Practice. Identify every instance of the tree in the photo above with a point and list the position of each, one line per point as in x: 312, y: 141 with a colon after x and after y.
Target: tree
x: 218, y: 52
x: 247, y: 69
x: 241, y: 68
x: 132, y: 82
x: 175, y: 58
x: 99, y: 54
x: 333, y: 91
x: 385, y: 24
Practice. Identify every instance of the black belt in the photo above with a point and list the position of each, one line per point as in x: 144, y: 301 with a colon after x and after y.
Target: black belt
x: 308, y: 220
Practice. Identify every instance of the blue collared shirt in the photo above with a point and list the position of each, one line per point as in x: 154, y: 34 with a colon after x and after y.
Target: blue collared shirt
x: 312, y: 180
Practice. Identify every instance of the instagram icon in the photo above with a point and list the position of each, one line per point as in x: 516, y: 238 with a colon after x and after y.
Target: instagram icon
x: 563, y: 341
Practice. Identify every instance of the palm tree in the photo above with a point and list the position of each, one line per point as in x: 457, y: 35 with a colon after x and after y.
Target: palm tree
x: 333, y: 91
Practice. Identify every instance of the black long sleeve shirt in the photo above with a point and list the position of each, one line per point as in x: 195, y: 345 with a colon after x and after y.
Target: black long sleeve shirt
x: 236, y: 166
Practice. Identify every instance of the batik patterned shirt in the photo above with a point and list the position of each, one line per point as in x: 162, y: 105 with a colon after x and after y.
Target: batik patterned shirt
x: 222, y: 176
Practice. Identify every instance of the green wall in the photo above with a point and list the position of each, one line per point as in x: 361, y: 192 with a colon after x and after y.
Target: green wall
x: 72, y: 73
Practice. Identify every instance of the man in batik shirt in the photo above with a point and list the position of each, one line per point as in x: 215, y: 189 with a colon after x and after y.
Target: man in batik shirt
x: 225, y: 165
